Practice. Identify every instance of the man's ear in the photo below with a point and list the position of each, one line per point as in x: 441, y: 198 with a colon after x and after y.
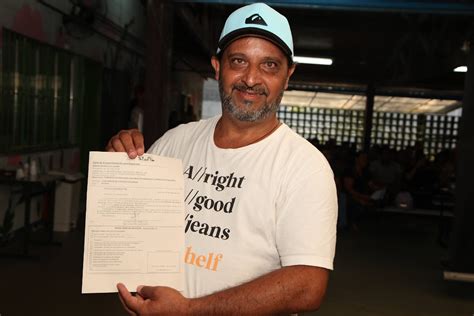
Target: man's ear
x: 291, y: 70
x: 216, y: 65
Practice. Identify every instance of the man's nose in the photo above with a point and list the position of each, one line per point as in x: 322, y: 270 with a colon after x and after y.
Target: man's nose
x: 252, y: 76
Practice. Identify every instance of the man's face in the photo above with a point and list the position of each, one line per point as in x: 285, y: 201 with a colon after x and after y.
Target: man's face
x: 253, y: 73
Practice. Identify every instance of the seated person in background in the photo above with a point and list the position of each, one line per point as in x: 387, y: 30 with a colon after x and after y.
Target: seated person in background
x: 386, y: 173
x: 420, y: 178
x: 357, y: 187
x: 415, y: 161
x: 445, y: 166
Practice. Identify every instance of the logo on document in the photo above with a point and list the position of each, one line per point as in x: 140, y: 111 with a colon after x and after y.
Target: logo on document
x: 145, y: 158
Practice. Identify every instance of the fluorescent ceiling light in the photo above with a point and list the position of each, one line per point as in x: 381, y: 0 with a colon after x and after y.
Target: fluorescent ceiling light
x: 460, y: 69
x: 312, y: 60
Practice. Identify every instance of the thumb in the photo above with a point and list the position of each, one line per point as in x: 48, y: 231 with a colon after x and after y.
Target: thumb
x: 147, y: 292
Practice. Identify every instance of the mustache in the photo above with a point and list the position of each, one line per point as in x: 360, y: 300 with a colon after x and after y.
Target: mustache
x: 259, y: 89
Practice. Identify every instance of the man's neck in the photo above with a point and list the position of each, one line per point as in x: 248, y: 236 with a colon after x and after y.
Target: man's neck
x: 232, y: 133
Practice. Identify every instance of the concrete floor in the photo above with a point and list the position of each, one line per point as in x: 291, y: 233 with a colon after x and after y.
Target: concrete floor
x: 390, y: 267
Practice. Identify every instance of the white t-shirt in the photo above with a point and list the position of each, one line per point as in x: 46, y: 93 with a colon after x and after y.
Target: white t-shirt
x: 251, y: 210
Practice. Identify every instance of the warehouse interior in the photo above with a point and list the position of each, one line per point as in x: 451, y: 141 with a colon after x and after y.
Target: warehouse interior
x: 397, y: 79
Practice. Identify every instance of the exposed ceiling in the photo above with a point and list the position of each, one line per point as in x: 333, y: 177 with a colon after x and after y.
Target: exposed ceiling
x: 405, y: 50
x: 358, y: 102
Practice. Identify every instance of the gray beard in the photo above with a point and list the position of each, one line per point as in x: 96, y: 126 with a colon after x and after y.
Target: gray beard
x: 248, y: 115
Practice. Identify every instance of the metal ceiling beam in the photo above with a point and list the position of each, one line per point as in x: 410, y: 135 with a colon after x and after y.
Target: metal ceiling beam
x: 422, y: 6
x: 360, y: 89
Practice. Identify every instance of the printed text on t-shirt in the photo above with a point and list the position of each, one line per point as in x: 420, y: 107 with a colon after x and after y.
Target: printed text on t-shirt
x: 220, y: 182
x: 217, y: 203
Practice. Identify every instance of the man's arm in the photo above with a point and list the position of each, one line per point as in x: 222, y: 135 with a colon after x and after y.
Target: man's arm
x: 287, y: 290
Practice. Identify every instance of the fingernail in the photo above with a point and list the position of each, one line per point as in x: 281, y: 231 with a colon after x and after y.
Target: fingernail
x: 132, y: 152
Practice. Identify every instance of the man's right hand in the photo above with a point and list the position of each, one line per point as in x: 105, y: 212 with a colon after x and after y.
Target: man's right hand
x: 129, y: 141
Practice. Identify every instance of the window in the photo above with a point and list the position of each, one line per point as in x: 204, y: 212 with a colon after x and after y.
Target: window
x: 325, y: 124
x: 435, y: 132
x: 41, y: 96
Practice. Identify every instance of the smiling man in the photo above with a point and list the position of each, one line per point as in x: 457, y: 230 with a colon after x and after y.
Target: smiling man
x: 261, y: 219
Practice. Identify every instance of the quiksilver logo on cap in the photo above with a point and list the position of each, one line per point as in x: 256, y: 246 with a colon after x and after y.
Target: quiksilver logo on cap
x: 255, y: 19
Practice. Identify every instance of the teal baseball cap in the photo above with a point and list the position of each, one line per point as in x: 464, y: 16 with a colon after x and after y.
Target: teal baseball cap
x: 260, y: 20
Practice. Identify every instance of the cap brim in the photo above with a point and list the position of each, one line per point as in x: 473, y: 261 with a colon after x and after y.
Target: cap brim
x: 249, y: 31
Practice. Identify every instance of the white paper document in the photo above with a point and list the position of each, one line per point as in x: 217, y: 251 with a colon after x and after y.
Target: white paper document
x: 134, y: 222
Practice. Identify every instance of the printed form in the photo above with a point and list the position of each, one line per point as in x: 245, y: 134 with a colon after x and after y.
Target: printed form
x: 134, y: 222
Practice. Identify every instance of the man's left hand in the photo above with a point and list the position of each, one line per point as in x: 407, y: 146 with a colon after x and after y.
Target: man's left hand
x: 153, y: 300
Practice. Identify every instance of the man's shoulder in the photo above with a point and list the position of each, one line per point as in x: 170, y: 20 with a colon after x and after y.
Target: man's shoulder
x: 298, y: 144
x: 298, y: 150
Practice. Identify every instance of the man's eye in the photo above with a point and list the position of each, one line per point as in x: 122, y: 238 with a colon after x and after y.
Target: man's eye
x: 238, y: 61
x: 270, y: 64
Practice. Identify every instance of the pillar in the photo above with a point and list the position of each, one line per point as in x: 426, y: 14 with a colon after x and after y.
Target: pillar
x: 462, y: 242
x: 158, y: 63
x: 369, y: 111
